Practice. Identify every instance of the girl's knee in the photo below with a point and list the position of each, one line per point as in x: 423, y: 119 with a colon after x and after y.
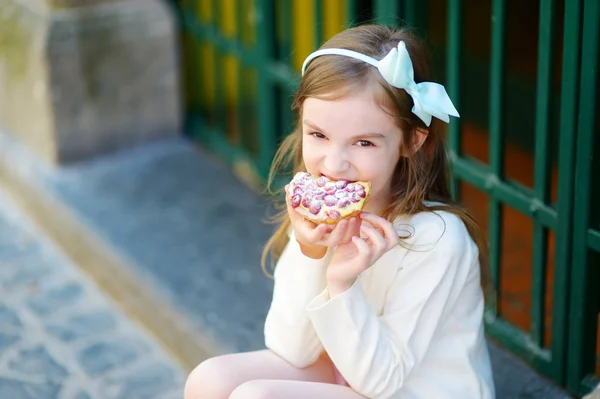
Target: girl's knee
x: 255, y: 389
x: 208, y: 380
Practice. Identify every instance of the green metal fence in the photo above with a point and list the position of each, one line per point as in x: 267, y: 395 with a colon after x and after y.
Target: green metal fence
x: 242, y: 59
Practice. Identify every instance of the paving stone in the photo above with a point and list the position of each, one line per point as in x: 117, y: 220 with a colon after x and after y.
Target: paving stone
x: 82, y: 326
x: 10, y: 250
x: 174, y: 395
x: 9, y: 320
x: 37, y: 362
x: 48, y: 301
x: 6, y: 341
x: 14, y: 389
x: 101, y: 357
x: 82, y: 395
x: 152, y: 381
x: 28, y: 271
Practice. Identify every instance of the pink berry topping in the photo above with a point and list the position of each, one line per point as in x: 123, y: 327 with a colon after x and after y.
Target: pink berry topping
x: 315, y: 207
x: 295, y: 201
x: 344, y: 202
x: 333, y: 214
x: 340, y: 184
x: 330, y: 187
x: 306, y: 201
x: 331, y: 200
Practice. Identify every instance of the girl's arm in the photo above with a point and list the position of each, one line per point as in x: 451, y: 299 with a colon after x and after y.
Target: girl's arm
x: 288, y: 329
x: 376, y: 354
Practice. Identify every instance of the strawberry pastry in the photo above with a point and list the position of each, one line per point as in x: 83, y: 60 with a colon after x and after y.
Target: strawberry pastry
x: 323, y: 200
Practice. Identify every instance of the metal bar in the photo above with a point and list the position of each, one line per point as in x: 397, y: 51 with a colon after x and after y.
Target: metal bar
x: 543, y: 167
x: 283, y: 100
x: 386, y: 11
x: 506, y: 192
x: 568, y: 127
x: 350, y: 15
x: 243, y: 92
x: 213, y: 139
x: 582, y: 316
x: 284, y: 29
x: 409, y: 12
x: 219, y: 118
x: 593, y: 240
x: 318, y: 23
x: 453, y: 63
x: 519, y: 343
x: 266, y: 93
x: 496, y: 130
x: 276, y: 71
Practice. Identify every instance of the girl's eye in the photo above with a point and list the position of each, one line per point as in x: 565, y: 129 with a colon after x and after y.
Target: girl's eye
x: 364, y: 143
x: 318, y: 135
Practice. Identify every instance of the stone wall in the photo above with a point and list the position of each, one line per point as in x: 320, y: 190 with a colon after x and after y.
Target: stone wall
x: 82, y: 78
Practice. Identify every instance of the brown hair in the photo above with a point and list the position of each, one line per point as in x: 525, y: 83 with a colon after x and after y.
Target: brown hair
x: 422, y: 176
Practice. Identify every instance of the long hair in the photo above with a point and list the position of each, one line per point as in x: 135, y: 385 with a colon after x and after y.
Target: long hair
x: 420, y: 177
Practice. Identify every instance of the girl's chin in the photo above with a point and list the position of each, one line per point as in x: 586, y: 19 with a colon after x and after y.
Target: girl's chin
x: 373, y: 205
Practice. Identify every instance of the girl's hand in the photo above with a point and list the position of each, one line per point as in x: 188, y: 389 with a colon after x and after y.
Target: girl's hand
x: 357, y: 255
x: 314, y: 239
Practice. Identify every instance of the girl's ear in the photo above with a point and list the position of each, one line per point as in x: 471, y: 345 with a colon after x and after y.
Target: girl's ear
x: 420, y: 135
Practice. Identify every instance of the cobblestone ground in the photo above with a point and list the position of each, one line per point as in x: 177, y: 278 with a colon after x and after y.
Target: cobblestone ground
x: 60, y: 337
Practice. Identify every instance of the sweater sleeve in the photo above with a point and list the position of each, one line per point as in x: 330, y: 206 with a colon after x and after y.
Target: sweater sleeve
x: 376, y: 353
x: 288, y: 330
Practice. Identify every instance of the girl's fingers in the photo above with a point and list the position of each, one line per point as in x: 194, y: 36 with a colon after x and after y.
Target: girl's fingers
x: 351, y: 230
x: 385, y: 228
x: 338, y: 233
x: 375, y: 238
x: 391, y: 235
x: 363, y: 248
x: 318, y: 233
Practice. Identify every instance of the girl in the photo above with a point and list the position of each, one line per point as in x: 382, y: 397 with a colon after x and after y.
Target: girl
x: 388, y: 304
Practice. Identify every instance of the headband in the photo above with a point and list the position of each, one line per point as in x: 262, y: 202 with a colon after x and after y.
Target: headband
x: 430, y: 99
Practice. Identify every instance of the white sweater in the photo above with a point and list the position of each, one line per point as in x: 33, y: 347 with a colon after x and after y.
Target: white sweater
x: 410, y: 327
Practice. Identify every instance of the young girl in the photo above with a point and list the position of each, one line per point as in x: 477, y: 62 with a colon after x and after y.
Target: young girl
x: 388, y: 304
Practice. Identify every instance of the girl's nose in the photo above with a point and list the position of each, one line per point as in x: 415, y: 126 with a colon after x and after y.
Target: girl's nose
x: 336, y: 163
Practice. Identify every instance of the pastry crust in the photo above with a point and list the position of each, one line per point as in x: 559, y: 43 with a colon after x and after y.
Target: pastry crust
x: 322, y: 200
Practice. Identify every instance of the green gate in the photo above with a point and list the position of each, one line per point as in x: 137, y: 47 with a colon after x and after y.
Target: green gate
x: 521, y: 110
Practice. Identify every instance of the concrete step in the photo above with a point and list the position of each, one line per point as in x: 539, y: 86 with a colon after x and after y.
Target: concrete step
x: 175, y: 238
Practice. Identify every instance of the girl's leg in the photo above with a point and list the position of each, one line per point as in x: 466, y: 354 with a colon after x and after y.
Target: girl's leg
x: 217, y: 377
x: 284, y: 389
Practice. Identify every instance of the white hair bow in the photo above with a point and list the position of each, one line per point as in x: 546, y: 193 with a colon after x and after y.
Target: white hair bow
x: 430, y: 99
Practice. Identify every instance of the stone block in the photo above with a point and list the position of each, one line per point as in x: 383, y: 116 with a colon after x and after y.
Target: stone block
x: 81, y: 325
x: 38, y: 363
x: 48, y: 301
x: 10, y: 388
x: 81, y: 79
x: 102, y: 357
x: 9, y: 320
x: 7, y: 341
x: 151, y: 381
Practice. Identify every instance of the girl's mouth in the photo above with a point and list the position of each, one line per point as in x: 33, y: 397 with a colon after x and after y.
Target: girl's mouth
x: 336, y: 179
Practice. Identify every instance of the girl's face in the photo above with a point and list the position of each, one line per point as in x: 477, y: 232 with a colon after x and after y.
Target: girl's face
x: 351, y: 138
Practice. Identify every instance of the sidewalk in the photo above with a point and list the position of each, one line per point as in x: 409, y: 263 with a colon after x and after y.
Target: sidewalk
x: 60, y: 337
